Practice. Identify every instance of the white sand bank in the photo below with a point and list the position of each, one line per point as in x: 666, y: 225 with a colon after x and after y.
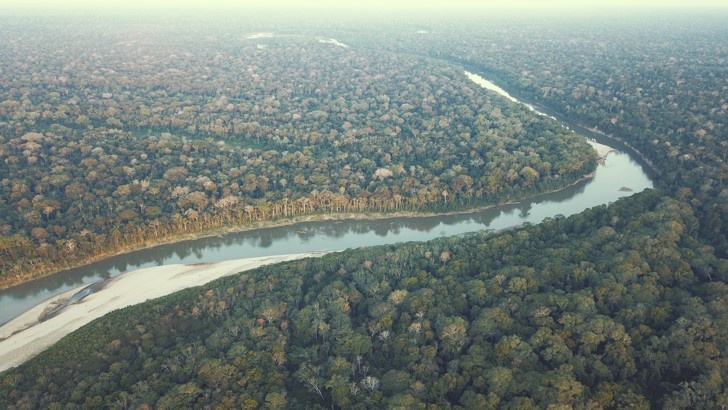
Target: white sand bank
x: 334, y: 42
x: 488, y: 85
x: 259, y: 35
x: 25, y: 336
x: 601, y: 149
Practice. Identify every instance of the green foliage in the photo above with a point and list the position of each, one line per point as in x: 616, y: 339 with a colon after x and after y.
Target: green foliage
x: 147, y: 155
x: 607, y: 328
x: 633, y: 82
x: 618, y: 307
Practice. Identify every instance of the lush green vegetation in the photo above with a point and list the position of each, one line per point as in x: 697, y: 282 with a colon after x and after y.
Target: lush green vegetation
x: 615, y: 307
x: 620, y: 306
x: 658, y: 84
x: 154, y: 135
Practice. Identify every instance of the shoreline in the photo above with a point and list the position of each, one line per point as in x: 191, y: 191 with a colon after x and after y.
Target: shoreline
x: 620, y: 140
x: 600, y: 149
x: 354, y: 216
x: 480, y: 73
x: 29, y: 333
x: 32, y: 332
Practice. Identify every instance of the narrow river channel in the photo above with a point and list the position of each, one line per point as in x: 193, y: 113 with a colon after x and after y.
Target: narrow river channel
x: 622, y: 174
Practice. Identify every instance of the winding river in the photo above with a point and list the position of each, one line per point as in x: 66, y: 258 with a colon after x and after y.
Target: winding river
x: 621, y: 174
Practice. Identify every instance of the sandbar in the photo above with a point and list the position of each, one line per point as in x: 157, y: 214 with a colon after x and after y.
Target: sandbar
x: 26, y: 336
x: 334, y: 42
x: 601, y: 149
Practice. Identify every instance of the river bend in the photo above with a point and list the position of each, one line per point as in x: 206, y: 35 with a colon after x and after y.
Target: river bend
x: 621, y: 174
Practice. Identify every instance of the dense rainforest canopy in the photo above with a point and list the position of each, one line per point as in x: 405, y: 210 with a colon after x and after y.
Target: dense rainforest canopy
x: 615, y: 307
x: 136, y: 138
x: 660, y: 85
x: 620, y: 306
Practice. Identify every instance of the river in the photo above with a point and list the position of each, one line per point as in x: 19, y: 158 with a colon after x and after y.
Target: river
x: 622, y: 173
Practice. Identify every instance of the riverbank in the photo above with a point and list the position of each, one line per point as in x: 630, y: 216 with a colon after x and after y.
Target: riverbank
x: 339, y: 231
x: 27, y: 335
x: 14, y: 278
x: 637, y: 152
x: 19, y: 279
x: 521, y: 99
x: 601, y: 149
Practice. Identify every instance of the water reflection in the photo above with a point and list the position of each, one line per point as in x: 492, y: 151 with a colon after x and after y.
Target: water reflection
x: 338, y: 235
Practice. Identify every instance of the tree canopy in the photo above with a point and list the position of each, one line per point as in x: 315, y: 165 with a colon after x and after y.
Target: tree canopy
x: 143, y: 136
x: 149, y: 137
x: 614, y: 307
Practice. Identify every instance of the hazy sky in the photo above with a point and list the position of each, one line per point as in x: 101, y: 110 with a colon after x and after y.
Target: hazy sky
x: 381, y: 5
